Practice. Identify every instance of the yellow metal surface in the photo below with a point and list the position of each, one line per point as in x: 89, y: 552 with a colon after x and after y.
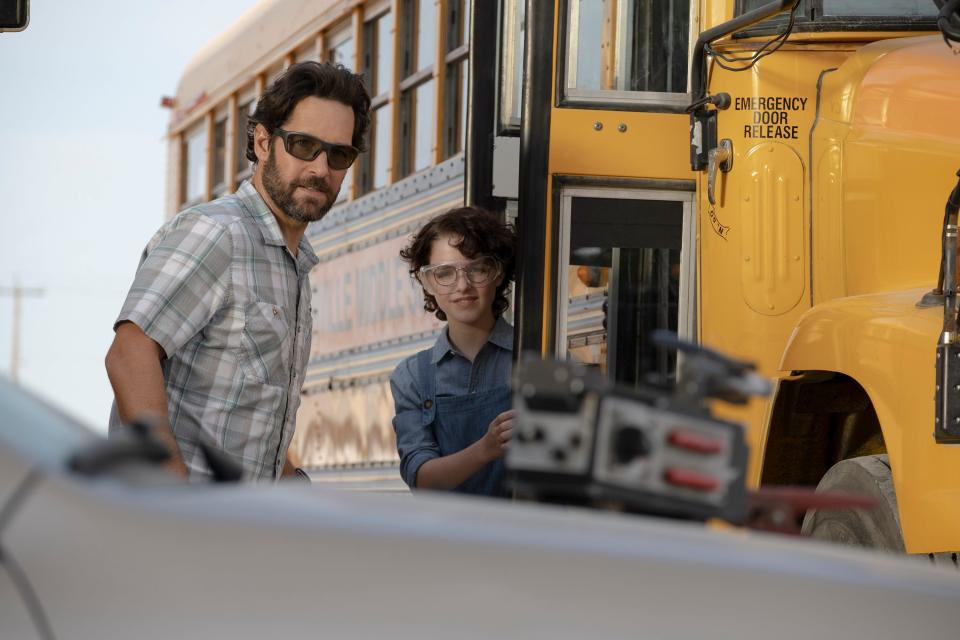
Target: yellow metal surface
x: 773, y: 107
x: 889, y: 346
x: 886, y: 151
x: 651, y: 145
x: 833, y: 193
x: 771, y: 211
x: 876, y: 170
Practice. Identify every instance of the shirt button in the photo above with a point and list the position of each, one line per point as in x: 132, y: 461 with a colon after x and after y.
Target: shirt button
x: 427, y: 404
x: 276, y: 311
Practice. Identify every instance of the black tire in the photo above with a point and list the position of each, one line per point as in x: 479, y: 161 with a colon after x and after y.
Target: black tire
x: 877, y: 527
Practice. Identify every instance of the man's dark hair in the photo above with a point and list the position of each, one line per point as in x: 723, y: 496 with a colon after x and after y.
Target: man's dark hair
x: 480, y: 233
x: 305, y: 79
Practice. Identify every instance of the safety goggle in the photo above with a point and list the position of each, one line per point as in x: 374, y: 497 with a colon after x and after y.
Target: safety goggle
x: 478, y: 271
x: 305, y: 147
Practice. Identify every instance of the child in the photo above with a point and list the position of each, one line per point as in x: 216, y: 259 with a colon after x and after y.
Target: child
x: 453, y: 419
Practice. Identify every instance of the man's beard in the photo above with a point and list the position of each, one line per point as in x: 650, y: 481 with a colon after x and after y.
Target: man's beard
x: 282, y: 193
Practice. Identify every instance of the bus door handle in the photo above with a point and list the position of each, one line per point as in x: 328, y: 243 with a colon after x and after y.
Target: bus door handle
x: 720, y: 157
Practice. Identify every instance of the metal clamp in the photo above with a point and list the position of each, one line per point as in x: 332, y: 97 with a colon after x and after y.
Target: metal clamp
x: 720, y: 157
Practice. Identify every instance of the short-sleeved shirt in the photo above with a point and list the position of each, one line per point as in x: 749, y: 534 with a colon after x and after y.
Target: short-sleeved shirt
x: 455, y: 376
x: 218, y: 289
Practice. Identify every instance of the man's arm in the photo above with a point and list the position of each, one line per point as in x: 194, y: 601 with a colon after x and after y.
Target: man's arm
x: 133, y: 366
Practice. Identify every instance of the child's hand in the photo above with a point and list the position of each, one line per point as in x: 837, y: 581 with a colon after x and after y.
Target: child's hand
x: 497, y: 438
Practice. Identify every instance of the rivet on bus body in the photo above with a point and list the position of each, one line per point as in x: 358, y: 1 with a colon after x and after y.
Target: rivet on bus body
x: 796, y: 258
x: 746, y: 258
x: 622, y: 128
x: 746, y: 198
x: 597, y: 125
x: 771, y: 307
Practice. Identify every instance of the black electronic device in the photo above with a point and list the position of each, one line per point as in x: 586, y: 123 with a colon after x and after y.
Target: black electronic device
x: 580, y: 439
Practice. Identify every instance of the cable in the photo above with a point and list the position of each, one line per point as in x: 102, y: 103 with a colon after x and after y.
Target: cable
x: 947, y: 22
x: 726, y: 61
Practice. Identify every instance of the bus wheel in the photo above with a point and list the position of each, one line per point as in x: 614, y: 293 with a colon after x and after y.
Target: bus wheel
x: 878, y: 527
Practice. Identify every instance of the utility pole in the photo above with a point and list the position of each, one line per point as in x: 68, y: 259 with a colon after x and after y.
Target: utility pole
x: 17, y: 293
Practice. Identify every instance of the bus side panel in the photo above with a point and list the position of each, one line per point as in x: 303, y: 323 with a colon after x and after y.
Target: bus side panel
x: 755, y: 240
x: 367, y: 316
x: 867, y: 338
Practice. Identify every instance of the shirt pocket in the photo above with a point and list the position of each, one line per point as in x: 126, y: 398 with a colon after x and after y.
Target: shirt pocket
x: 266, y: 354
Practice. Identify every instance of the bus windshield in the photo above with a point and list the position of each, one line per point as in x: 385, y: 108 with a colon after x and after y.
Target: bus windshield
x: 814, y: 9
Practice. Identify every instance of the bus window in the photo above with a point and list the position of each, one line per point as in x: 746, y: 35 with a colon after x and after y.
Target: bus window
x: 626, y: 273
x: 194, y: 166
x: 627, y: 51
x: 381, y: 75
x: 273, y: 73
x: 340, y: 48
x: 378, y: 71
x: 422, y: 107
x: 220, y: 153
x: 244, y: 110
x: 456, y: 76
x: 382, y: 125
x: 306, y: 52
x: 417, y: 121
x: 511, y: 64
x: 854, y: 8
x: 901, y: 8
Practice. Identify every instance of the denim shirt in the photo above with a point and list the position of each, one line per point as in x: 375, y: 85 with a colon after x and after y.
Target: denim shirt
x: 455, y: 376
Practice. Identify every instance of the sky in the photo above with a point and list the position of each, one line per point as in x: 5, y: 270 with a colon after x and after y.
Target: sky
x: 82, y: 175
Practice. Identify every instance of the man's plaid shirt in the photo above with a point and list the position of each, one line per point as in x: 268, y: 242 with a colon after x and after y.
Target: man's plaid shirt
x: 218, y: 289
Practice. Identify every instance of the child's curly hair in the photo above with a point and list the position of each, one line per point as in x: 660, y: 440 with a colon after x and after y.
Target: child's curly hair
x: 480, y: 233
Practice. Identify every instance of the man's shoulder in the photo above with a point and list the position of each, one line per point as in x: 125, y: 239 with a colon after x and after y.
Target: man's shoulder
x: 224, y: 220
x: 225, y: 211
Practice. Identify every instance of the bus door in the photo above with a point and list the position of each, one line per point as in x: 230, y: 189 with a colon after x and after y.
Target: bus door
x: 625, y: 269
x: 606, y: 193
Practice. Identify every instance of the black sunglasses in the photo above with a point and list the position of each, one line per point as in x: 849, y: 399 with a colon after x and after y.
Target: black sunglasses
x: 305, y: 147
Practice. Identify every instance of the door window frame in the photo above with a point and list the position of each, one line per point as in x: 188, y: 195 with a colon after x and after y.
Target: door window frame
x: 656, y: 190
x: 655, y: 101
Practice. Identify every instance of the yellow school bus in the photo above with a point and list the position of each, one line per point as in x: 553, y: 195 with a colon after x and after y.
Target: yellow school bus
x: 367, y: 312
x: 767, y: 180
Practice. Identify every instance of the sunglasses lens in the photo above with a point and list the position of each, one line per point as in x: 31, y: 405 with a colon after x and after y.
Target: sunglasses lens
x: 303, y: 147
x: 341, y: 156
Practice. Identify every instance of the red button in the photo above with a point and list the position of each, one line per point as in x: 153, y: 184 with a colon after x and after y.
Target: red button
x: 690, y: 480
x: 694, y: 441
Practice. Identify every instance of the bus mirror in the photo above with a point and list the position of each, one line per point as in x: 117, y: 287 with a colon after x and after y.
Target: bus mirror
x: 14, y: 15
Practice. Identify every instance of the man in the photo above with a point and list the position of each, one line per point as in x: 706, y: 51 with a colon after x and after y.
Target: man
x: 214, y: 336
